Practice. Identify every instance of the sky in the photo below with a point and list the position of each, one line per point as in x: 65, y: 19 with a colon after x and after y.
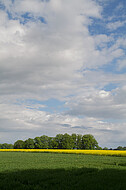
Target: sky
x: 63, y: 69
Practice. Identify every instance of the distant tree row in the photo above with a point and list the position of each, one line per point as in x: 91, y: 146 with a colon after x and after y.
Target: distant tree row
x: 6, y: 146
x: 121, y: 148
x: 61, y: 141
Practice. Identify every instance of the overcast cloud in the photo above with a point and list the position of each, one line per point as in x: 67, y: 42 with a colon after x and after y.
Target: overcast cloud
x: 63, y: 69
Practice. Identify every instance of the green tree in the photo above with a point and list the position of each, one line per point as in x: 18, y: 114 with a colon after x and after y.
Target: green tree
x: 50, y: 142
x: 6, y: 146
x: 79, y: 141
x: 74, y: 138
x: 89, y: 142
x: 119, y: 148
x: 10, y: 146
x: 105, y: 148
x: 44, y: 141
x: 19, y: 144
x: 58, y: 140
x: 67, y: 142
x: 37, y: 142
x: 54, y: 143
x: 99, y: 148
x: 41, y: 142
x: 29, y: 143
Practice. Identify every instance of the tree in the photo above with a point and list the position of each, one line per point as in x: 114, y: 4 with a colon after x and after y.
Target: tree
x: 29, y: 143
x: 54, y: 143
x: 79, y: 141
x: 58, y: 140
x: 74, y: 138
x: 19, y: 144
x: 67, y: 142
x: 44, y: 141
x: 99, y: 148
x: 50, y: 142
x: 10, y: 146
x: 105, y: 148
x: 89, y: 142
x: 37, y: 142
x: 119, y: 148
x: 6, y: 146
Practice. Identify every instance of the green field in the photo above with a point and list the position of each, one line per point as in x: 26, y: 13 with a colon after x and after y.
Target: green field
x: 35, y: 171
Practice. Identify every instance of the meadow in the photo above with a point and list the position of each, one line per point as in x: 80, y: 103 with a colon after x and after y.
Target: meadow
x: 40, y: 171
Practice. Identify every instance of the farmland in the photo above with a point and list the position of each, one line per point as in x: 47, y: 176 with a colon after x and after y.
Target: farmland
x: 35, y: 170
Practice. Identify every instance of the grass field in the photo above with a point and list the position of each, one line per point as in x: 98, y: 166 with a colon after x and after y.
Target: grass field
x: 40, y: 171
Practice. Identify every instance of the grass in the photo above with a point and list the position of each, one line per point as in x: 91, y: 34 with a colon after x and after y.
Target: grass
x: 40, y: 171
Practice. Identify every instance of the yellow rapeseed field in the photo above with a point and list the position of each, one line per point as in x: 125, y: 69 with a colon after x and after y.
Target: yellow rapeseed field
x: 95, y: 152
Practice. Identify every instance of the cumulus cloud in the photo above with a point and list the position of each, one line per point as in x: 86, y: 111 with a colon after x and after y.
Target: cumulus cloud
x: 100, y: 104
x: 39, y: 58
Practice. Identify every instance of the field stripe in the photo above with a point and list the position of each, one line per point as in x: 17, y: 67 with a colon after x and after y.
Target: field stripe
x: 94, y: 152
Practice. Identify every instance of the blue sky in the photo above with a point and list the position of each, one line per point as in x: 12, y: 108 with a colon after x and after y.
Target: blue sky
x: 63, y: 69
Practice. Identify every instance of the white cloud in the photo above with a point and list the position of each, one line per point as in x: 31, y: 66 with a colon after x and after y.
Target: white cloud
x: 115, y: 25
x: 38, y: 57
x: 103, y: 94
x: 100, y: 104
x: 101, y: 40
x: 21, y: 122
x: 121, y: 64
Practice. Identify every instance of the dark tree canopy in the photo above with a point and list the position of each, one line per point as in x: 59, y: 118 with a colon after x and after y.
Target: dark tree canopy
x: 29, y: 143
x: 89, y: 142
x: 79, y: 141
x: 6, y: 146
x: 19, y: 144
x: 67, y: 142
x: 60, y: 141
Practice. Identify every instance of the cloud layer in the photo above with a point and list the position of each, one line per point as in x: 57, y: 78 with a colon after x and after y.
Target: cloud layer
x: 47, y: 51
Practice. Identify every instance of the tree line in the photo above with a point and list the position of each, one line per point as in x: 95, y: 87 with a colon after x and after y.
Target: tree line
x: 6, y: 146
x: 60, y: 141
